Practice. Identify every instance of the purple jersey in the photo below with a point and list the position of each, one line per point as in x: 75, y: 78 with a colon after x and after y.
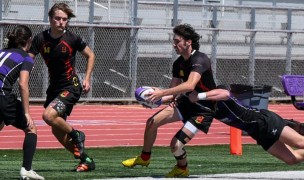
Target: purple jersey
x: 12, y: 61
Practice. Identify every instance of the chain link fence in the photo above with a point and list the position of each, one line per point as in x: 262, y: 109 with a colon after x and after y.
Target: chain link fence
x: 132, y: 42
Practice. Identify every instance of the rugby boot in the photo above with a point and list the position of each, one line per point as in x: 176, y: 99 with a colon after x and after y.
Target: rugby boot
x: 177, y: 172
x: 297, y: 126
x: 135, y: 161
x: 85, y: 166
x: 26, y: 175
x: 79, y: 145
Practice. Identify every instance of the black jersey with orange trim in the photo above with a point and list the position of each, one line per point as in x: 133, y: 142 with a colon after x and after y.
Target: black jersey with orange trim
x: 59, y: 56
x: 200, y: 63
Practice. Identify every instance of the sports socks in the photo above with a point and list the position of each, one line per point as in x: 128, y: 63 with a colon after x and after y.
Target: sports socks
x: 183, y: 167
x: 145, y: 155
x: 74, y: 134
x: 29, y: 148
x: 85, y: 158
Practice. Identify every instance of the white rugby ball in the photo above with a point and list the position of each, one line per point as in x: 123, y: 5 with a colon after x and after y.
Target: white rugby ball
x: 141, y: 97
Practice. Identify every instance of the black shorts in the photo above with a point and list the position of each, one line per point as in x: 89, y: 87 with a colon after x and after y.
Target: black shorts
x: 195, y: 114
x: 64, y: 99
x: 12, y: 112
x: 269, y: 129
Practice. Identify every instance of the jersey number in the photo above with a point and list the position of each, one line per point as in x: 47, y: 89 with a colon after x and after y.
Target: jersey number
x: 47, y: 50
x: 2, y: 59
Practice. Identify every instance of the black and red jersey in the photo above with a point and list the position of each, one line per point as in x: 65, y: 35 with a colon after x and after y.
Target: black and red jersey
x: 12, y: 61
x: 198, y: 62
x: 59, y: 56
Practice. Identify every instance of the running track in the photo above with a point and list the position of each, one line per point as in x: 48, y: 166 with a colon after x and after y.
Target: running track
x: 123, y: 125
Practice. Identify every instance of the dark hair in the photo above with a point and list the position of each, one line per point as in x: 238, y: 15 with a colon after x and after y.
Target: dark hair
x: 188, y: 33
x: 19, y: 36
x: 63, y: 7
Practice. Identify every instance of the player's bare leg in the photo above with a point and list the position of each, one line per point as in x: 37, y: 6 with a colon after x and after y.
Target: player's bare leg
x: 72, y: 140
x: 51, y: 117
x: 283, y: 148
x: 1, y: 126
x: 63, y: 130
x: 63, y: 138
x: 177, y: 145
x: 167, y: 115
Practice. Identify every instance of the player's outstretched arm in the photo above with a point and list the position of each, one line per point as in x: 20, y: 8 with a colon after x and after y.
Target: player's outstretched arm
x: 214, y: 95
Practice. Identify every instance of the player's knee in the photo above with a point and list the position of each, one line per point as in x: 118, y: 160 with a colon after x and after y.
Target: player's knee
x: 48, y: 117
x: 299, y: 144
x: 33, y: 130
x: 151, y: 123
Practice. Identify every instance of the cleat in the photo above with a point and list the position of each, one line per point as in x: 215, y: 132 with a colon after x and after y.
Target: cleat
x: 135, y: 161
x: 297, y: 126
x: 27, y: 175
x: 85, y: 166
x: 79, y: 145
x: 178, y: 173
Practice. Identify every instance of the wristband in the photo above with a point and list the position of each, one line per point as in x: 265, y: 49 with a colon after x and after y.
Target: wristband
x: 202, y: 96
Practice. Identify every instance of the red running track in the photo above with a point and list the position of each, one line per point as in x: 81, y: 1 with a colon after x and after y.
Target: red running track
x: 123, y: 125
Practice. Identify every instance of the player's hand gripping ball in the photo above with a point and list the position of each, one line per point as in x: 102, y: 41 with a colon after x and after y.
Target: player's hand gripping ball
x: 141, y: 97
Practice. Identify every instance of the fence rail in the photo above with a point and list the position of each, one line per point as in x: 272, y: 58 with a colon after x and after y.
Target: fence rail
x: 247, y: 44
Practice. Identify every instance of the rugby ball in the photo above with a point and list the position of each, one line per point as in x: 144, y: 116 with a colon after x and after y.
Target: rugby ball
x: 141, y: 96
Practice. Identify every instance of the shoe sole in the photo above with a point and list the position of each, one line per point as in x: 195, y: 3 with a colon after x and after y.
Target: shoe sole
x: 88, y: 170
x: 135, y: 165
x: 24, y: 178
x: 178, y: 176
x: 85, y: 170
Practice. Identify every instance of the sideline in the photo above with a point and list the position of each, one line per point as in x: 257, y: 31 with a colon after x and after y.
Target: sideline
x: 274, y: 175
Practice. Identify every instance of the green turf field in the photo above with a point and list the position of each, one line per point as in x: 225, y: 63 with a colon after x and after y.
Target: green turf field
x: 58, y: 164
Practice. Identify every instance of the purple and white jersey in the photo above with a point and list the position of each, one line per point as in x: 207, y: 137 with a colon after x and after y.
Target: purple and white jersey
x: 12, y: 61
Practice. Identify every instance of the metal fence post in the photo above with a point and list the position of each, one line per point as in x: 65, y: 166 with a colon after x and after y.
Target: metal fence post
x: 91, y: 12
x: 133, y: 47
x: 46, y: 10
x: 91, y: 40
x: 45, y: 76
x: 175, y: 13
x: 289, y: 43
x: 1, y: 29
x: 214, y: 42
x: 1, y: 10
x: 252, y: 49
